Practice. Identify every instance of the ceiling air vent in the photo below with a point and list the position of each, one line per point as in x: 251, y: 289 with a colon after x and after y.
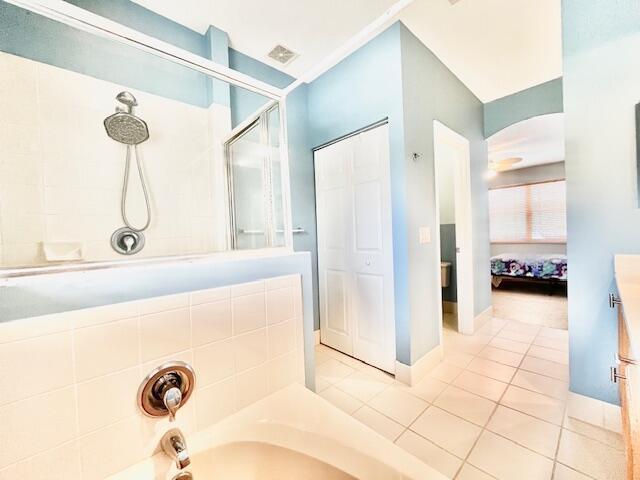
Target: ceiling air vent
x: 282, y: 54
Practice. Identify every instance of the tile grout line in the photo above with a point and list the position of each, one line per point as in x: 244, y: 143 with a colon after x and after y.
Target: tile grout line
x: 484, y: 428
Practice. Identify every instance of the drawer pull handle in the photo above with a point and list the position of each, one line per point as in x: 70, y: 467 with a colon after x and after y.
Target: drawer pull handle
x: 613, y: 300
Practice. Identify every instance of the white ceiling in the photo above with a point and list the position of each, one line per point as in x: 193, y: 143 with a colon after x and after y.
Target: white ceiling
x: 538, y: 141
x: 311, y: 28
x: 496, y: 47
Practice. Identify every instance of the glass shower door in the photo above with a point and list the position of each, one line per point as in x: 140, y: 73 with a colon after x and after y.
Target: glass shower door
x: 255, y: 181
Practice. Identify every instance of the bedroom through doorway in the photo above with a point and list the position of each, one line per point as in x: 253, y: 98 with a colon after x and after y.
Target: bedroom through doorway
x: 527, y: 215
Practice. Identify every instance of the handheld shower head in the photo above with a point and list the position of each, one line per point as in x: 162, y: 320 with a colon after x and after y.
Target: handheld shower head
x: 125, y: 127
x: 127, y: 99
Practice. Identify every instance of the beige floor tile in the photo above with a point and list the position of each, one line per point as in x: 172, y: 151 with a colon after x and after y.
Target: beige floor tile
x: 541, y: 384
x: 452, y: 433
x: 608, y: 437
x: 378, y: 422
x: 347, y: 360
x: 465, y: 343
x: 563, y: 472
x: 361, y: 385
x: 530, y: 308
x: 506, y: 460
x: 343, y: 401
x: 525, y: 430
x: 467, y: 405
x: 555, y: 343
x: 557, y: 333
x: 591, y: 457
x: 399, y: 405
x: 321, y: 384
x: 445, y: 372
x: 469, y: 472
x: 480, y: 385
x: 516, y: 336
x: 546, y: 368
x: 377, y: 373
x: 509, y: 345
x: 429, y: 453
x: 333, y: 371
x: 427, y: 389
x: 321, y: 357
x: 536, y: 404
x: 491, y: 369
x: 522, y: 327
x: 459, y: 359
x: 501, y: 356
x: 545, y: 353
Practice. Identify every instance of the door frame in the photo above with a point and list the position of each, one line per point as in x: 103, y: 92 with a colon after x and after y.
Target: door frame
x: 464, y: 227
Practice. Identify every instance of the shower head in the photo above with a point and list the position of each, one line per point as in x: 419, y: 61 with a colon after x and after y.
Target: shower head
x: 125, y: 127
x: 127, y: 99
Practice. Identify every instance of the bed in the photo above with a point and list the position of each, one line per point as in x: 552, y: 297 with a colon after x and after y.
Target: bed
x: 550, y: 268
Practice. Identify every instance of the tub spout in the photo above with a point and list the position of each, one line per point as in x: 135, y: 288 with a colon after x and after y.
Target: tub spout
x: 175, y: 446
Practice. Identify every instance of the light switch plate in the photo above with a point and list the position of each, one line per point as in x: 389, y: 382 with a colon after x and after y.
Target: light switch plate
x: 424, y: 235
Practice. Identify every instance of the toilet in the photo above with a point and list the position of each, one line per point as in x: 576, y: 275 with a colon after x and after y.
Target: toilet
x: 445, y: 273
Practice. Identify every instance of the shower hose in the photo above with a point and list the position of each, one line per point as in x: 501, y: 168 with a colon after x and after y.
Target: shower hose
x: 125, y: 189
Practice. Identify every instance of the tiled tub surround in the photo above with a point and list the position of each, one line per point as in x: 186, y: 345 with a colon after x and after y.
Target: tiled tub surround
x: 494, y: 408
x: 61, y: 176
x: 70, y: 407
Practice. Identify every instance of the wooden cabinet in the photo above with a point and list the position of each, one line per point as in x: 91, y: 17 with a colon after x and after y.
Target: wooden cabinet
x: 629, y: 381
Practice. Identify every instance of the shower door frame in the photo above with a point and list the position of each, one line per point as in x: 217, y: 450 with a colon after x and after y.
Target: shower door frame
x: 261, y: 120
x: 76, y: 17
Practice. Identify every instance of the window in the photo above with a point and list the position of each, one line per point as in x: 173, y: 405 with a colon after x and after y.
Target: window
x: 533, y: 213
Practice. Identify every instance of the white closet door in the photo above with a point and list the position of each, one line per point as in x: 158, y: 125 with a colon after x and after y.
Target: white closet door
x: 355, y: 255
x: 333, y: 204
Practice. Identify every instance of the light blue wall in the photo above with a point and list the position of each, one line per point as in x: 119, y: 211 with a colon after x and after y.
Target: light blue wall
x: 302, y: 176
x: 601, y: 87
x: 356, y: 93
x: 432, y: 92
x: 32, y: 36
x: 217, y: 42
x: 244, y: 102
x: 412, y: 87
x: 146, y: 21
x: 539, y: 100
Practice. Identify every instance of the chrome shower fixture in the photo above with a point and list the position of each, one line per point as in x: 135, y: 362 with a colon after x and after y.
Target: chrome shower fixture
x: 123, y: 126
x: 126, y: 128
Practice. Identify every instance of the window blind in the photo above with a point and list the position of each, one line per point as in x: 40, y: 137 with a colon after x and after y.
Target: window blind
x: 533, y: 213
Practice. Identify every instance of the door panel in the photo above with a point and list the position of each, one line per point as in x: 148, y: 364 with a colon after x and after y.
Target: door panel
x: 368, y: 216
x: 370, y: 308
x: 336, y: 307
x: 355, y: 251
x: 333, y: 199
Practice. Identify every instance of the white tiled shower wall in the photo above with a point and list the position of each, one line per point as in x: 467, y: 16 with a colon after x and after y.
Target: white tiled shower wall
x: 69, y: 381
x: 61, y: 176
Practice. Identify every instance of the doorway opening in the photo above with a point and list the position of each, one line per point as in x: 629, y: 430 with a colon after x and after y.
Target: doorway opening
x: 527, y: 215
x: 452, y: 167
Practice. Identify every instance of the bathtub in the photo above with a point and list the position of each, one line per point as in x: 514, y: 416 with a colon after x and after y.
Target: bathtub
x: 292, y: 434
